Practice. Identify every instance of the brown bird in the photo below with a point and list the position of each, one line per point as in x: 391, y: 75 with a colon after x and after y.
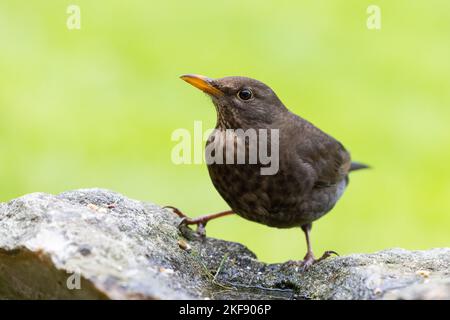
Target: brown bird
x: 313, y: 166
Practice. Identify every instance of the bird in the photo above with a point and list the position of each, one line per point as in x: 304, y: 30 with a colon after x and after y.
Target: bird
x: 313, y: 170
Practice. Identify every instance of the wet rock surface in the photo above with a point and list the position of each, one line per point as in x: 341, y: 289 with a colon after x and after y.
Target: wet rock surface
x: 98, y: 244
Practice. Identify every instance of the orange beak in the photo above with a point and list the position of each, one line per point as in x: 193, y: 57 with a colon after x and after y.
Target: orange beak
x: 203, y: 83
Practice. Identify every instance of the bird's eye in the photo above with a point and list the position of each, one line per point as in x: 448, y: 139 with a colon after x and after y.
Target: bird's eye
x: 245, y: 94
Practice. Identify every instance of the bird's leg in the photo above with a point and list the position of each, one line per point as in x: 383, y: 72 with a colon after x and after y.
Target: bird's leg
x: 309, y: 259
x: 199, y: 221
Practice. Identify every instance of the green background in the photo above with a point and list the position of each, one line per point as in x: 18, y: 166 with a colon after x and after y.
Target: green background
x: 96, y: 107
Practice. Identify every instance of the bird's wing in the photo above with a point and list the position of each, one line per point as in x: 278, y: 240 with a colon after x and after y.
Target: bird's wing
x: 327, y: 158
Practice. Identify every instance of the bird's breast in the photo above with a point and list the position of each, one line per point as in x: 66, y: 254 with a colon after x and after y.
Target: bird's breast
x: 282, y: 200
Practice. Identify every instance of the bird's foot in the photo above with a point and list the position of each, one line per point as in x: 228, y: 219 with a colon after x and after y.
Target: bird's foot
x: 200, y: 221
x: 185, y: 221
x: 309, y: 259
x: 307, y: 262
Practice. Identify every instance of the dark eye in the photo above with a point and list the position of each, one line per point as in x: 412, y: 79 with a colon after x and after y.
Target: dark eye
x: 245, y: 94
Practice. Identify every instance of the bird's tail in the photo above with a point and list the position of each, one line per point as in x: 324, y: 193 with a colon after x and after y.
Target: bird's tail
x: 358, y: 166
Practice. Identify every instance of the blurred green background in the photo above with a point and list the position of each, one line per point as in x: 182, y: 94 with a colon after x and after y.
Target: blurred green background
x: 96, y: 107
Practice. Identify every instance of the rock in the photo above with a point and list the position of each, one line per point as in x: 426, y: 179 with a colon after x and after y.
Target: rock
x: 97, y: 244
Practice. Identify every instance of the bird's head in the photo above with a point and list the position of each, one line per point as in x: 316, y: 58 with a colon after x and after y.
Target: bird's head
x: 240, y: 102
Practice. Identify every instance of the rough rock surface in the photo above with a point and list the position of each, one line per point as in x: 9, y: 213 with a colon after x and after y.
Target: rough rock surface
x: 97, y: 244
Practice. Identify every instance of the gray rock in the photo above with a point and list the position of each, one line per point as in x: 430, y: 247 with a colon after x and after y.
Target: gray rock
x: 97, y: 244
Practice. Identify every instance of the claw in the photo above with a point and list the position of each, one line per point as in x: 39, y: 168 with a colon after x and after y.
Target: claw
x: 327, y: 254
x: 307, y: 262
x: 185, y: 221
x: 200, y: 221
x: 176, y: 211
x: 182, y: 222
x: 201, y: 231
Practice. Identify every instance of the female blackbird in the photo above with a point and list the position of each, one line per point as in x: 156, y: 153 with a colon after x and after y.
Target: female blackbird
x: 313, y: 167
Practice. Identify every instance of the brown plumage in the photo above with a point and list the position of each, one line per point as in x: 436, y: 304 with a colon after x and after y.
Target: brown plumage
x: 313, y: 166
